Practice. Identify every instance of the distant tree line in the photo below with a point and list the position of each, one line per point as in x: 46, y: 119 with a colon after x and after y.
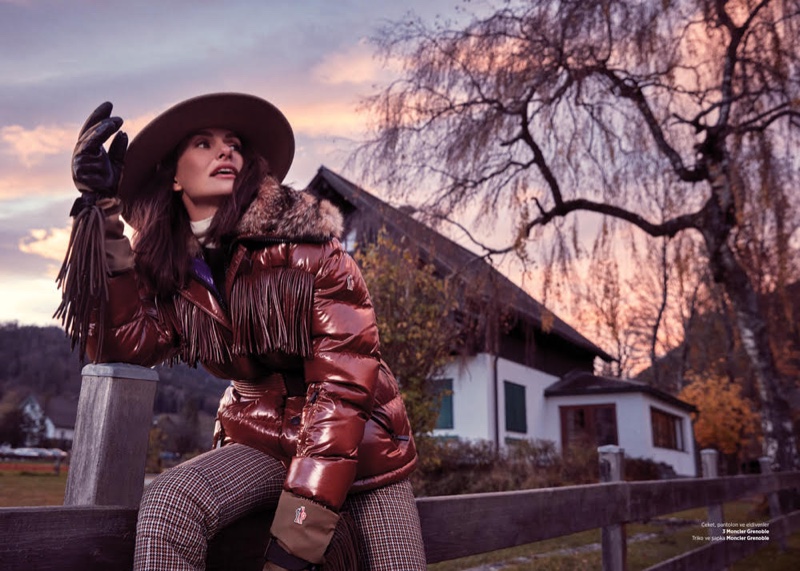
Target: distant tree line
x: 39, y: 360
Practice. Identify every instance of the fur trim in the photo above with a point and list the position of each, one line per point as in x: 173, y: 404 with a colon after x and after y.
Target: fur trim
x: 282, y: 212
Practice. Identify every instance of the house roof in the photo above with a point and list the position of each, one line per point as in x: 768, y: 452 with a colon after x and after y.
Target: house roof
x: 452, y: 258
x: 582, y: 383
x: 62, y: 410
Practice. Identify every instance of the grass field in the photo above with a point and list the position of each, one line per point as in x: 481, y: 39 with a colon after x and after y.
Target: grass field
x: 35, y: 484
x: 31, y: 484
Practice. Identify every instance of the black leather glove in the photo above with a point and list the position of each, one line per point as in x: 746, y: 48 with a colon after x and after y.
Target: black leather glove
x: 94, y: 170
x: 278, y: 559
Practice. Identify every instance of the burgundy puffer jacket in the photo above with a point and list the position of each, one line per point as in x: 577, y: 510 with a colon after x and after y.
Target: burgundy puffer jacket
x: 294, y: 328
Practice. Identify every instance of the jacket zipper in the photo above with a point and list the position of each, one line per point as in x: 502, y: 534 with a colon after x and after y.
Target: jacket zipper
x: 389, y: 431
x: 312, y: 400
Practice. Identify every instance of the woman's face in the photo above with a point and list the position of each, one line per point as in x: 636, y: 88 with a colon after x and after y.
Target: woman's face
x: 206, y: 170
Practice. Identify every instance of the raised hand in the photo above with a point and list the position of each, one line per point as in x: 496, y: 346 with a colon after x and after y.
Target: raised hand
x: 93, y: 169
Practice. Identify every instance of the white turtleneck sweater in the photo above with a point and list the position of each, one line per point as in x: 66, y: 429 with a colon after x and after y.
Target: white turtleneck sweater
x: 200, y: 229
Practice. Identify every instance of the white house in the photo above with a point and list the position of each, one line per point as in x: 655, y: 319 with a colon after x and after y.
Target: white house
x: 25, y: 410
x: 517, y: 402
x: 60, y: 416
x: 52, y: 424
x: 646, y: 422
x: 527, y: 373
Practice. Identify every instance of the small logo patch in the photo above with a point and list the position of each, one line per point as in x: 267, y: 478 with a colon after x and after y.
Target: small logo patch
x: 350, y: 283
x: 300, y: 515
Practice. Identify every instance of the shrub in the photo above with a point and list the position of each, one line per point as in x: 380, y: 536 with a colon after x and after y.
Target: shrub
x: 449, y: 467
x: 452, y: 466
x: 637, y: 469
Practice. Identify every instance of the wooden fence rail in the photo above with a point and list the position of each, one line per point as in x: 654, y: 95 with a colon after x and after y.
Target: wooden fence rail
x: 90, y: 536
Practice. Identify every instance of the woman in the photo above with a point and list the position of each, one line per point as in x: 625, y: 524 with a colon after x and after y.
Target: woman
x: 247, y: 277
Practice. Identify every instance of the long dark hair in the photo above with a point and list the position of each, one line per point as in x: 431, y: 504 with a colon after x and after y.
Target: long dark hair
x: 162, y: 244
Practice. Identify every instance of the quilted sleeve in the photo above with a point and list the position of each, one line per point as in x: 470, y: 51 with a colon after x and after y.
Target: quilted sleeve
x: 341, y: 377
x: 134, y: 331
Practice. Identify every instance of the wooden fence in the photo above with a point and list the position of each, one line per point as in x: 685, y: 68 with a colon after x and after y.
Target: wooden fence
x: 94, y: 530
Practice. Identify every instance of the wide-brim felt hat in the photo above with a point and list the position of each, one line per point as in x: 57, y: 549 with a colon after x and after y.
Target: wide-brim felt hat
x: 261, y: 126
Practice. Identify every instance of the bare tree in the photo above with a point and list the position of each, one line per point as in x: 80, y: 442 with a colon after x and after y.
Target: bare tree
x: 672, y: 115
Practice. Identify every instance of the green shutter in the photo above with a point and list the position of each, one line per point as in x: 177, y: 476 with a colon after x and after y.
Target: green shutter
x: 445, y: 418
x: 516, y: 417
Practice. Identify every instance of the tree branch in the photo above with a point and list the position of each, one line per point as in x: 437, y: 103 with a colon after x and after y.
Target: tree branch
x: 737, y: 34
x: 760, y: 123
x: 632, y: 91
x: 539, y: 159
x: 667, y: 228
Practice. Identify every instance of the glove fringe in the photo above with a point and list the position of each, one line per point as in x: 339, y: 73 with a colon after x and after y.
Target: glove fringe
x: 342, y: 553
x: 83, y: 279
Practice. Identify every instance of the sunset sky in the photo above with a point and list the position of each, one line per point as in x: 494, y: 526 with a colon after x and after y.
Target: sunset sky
x: 61, y: 59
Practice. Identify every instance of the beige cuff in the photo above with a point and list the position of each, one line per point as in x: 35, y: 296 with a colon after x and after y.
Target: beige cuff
x: 119, y: 255
x: 304, y: 528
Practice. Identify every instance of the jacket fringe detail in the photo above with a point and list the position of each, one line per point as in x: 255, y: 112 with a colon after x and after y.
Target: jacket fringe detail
x: 271, y: 312
x: 342, y: 553
x: 83, y: 279
x: 203, y: 337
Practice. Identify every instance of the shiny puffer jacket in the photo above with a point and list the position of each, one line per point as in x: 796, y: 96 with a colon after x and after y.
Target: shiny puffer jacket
x: 294, y: 328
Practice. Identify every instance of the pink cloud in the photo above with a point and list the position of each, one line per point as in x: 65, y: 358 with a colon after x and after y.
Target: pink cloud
x: 51, y: 243
x: 355, y: 65
x: 48, y: 243
x: 21, y: 183
x: 31, y: 146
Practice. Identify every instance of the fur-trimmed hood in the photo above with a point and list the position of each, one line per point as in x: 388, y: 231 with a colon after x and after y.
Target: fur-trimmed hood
x: 283, y: 212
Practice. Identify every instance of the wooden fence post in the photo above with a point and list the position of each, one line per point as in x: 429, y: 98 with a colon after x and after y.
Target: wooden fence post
x: 774, y: 501
x: 612, y: 469
x: 710, y: 466
x: 115, y: 411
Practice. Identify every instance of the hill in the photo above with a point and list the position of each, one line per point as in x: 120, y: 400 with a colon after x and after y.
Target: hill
x: 39, y: 360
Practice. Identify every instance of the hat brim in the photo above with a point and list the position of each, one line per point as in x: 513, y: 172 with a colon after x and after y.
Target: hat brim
x: 260, y: 125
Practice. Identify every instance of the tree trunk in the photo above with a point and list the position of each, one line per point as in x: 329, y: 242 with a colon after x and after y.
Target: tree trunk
x: 776, y: 419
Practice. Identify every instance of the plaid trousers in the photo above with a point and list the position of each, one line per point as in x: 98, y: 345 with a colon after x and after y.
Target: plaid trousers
x: 186, y: 506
